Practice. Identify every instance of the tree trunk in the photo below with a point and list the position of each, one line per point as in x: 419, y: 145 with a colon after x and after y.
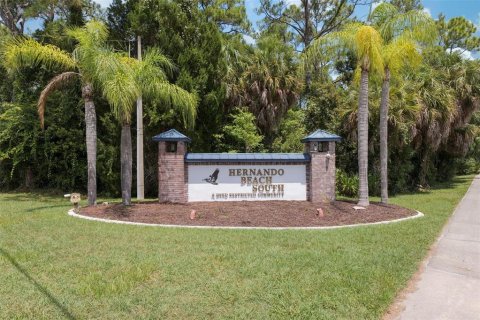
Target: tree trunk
x: 29, y: 178
x: 306, y: 20
x: 11, y: 14
x: 362, y: 126
x: 424, y: 163
x: 307, y: 38
x: 384, y: 136
x: 126, y: 164
x: 91, y: 137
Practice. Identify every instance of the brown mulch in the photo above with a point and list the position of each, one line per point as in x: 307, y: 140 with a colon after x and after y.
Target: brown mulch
x: 249, y: 213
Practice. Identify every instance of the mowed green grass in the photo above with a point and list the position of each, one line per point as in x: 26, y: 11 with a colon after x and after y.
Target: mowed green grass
x: 53, y: 266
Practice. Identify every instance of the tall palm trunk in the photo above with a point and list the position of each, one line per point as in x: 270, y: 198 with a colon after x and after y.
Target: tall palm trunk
x: 424, y: 164
x: 362, y: 126
x: 91, y: 137
x: 126, y: 164
x: 384, y: 136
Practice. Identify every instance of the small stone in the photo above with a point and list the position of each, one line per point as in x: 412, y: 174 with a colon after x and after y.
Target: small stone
x: 358, y: 208
x: 193, y: 214
x: 320, y: 212
x: 105, y: 203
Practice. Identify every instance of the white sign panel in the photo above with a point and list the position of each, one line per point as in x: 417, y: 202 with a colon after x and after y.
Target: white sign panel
x: 246, y: 182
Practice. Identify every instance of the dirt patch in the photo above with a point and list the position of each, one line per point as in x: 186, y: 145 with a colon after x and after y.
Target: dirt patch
x: 249, y: 213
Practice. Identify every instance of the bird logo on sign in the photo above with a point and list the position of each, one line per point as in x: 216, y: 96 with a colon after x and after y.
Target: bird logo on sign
x: 213, y: 177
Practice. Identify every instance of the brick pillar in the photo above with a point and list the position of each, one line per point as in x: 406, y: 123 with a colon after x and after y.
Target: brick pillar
x: 172, y: 186
x: 321, y: 172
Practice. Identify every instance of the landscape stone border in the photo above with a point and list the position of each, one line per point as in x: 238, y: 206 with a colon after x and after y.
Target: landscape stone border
x: 72, y: 213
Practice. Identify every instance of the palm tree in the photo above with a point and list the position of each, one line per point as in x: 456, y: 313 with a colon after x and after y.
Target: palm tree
x: 437, y: 112
x: 128, y: 78
x: 399, y: 31
x: 85, y: 63
x: 366, y: 43
x: 447, y: 92
x: 268, y: 85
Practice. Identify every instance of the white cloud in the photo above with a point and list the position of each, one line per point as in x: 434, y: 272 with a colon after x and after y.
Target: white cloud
x: 293, y: 2
x: 467, y: 55
x: 248, y: 39
x: 376, y: 4
x: 104, y: 3
x: 427, y: 11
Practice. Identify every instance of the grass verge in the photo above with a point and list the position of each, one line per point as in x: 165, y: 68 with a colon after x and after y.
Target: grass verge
x: 55, y: 266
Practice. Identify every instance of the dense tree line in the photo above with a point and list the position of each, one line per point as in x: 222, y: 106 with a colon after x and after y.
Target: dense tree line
x: 306, y: 69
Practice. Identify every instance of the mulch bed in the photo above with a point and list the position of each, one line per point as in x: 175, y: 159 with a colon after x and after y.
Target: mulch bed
x: 249, y: 213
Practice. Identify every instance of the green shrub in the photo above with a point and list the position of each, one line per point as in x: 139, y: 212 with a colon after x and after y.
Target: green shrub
x: 347, y: 185
x: 374, y: 183
x: 469, y: 166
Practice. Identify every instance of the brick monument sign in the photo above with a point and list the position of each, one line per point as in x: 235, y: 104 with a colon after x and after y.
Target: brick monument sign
x: 189, y: 177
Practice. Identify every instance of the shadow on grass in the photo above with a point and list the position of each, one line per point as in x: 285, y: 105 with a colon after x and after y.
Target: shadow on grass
x: 46, y: 207
x: 67, y: 314
x: 23, y: 197
x: 451, y: 184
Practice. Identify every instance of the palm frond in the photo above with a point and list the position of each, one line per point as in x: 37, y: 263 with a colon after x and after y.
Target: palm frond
x: 93, y: 34
x: 154, y: 57
x: 121, y: 91
x: 146, y: 73
x: 364, y: 40
x: 91, y: 40
x: 149, y: 79
x: 172, y: 96
x: 383, y: 12
x: 54, y: 84
x: 392, y: 23
x: 5, y: 35
x: 121, y: 94
x: 369, y: 49
x: 332, y: 42
x: 21, y: 52
x: 106, y: 65
x: 400, y: 52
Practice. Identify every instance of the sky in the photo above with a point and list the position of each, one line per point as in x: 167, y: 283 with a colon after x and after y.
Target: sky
x: 470, y: 9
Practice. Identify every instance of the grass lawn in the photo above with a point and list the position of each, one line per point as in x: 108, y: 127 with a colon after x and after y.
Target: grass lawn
x: 55, y: 266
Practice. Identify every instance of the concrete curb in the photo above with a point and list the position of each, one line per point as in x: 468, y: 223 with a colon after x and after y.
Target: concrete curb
x: 73, y: 214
